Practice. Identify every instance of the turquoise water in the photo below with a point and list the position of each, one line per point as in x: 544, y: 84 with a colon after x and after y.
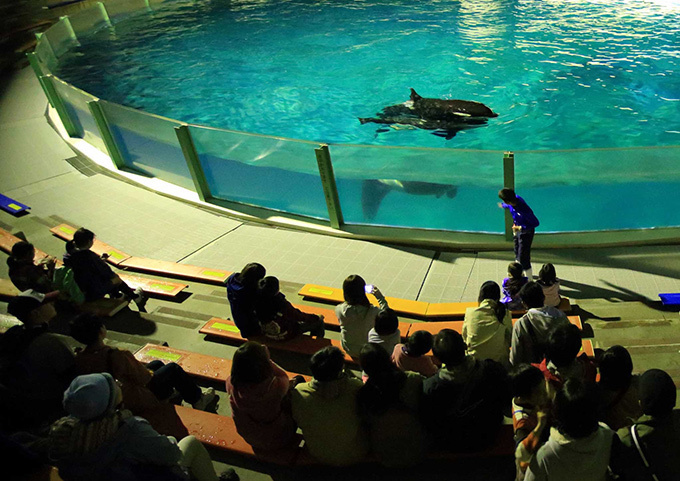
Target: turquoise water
x: 561, y: 75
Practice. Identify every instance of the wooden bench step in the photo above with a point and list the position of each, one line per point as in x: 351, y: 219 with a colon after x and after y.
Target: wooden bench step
x: 7, y: 289
x: 155, y: 287
x: 206, y: 367
x: 115, y: 256
x: 105, y: 307
x: 334, y: 295
x: 142, y: 264
x: 304, y: 344
x: 434, y: 327
x: 220, y: 432
x: 331, y: 319
x: 418, y: 309
x: 210, y: 368
x: 174, y: 269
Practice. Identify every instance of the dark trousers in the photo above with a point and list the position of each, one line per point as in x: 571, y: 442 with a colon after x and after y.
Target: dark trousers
x: 167, y: 377
x: 523, y: 242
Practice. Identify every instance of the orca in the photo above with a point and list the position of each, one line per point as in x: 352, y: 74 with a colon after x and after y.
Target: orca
x: 445, y: 117
x: 438, y: 109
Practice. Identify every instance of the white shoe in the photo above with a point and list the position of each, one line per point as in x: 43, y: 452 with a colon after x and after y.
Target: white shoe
x: 140, y: 299
x: 529, y: 274
x: 207, y: 396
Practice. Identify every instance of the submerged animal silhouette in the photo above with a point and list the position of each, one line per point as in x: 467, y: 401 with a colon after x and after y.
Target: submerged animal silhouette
x: 373, y: 191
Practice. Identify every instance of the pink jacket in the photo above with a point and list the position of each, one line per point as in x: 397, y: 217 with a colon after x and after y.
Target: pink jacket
x: 259, y: 413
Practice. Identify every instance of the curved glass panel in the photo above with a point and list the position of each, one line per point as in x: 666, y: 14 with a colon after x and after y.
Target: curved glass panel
x: 61, y: 38
x: 640, y: 190
x: 279, y: 174
x: 76, y: 101
x: 89, y: 19
x: 148, y: 144
x: 451, y: 190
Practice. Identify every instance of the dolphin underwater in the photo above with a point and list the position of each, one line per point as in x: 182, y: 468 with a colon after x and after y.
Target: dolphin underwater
x: 373, y: 191
x: 445, y: 117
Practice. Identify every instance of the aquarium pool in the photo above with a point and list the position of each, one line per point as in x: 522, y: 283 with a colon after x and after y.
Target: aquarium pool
x: 570, y: 81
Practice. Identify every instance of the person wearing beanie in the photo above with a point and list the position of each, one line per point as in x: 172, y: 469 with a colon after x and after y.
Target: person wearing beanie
x: 36, y: 365
x: 99, y: 440
x: 657, y: 432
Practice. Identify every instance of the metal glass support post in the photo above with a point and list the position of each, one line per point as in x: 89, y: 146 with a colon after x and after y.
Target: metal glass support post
x: 330, y: 190
x: 105, y: 14
x: 35, y: 65
x: 58, y: 104
x: 508, y: 183
x: 69, y: 27
x: 193, y: 162
x: 107, y: 135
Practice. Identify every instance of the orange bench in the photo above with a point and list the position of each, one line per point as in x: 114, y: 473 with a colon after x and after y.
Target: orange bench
x: 220, y: 432
x: 7, y: 289
x: 115, y: 256
x: 419, y: 309
x: 206, y: 367
x: 435, y: 326
x: 335, y: 296
x: 101, y: 307
x: 150, y: 286
x: 226, y: 329
x: 331, y: 320
x: 156, y: 287
x: 120, y: 259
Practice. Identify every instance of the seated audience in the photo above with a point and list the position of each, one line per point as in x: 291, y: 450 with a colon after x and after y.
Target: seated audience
x: 386, y: 332
x: 578, y: 448
x: 563, y: 361
x: 411, y: 356
x: 258, y: 390
x: 278, y: 318
x: 389, y: 403
x: 487, y: 329
x: 36, y: 366
x: 547, y: 279
x: 242, y: 295
x: 144, y: 389
x: 101, y: 441
x: 356, y: 315
x: 325, y: 409
x: 463, y: 404
x: 530, y: 332
x: 94, y: 277
x: 25, y: 274
x: 657, y: 432
x: 530, y: 414
x: 618, y: 389
x: 512, y: 285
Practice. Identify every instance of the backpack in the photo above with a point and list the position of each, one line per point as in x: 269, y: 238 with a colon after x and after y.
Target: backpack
x: 65, y: 282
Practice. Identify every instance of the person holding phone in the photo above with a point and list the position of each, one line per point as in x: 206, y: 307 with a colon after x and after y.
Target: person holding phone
x: 357, y: 315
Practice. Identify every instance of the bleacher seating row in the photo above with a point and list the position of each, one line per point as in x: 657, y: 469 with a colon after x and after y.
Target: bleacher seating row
x: 155, y: 287
x: 417, y: 309
x: 406, y: 307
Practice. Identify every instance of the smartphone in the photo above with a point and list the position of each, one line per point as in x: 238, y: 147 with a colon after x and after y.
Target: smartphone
x: 368, y: 288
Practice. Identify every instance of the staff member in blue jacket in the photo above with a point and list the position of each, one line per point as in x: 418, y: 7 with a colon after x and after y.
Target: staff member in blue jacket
x: 524, y: 224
